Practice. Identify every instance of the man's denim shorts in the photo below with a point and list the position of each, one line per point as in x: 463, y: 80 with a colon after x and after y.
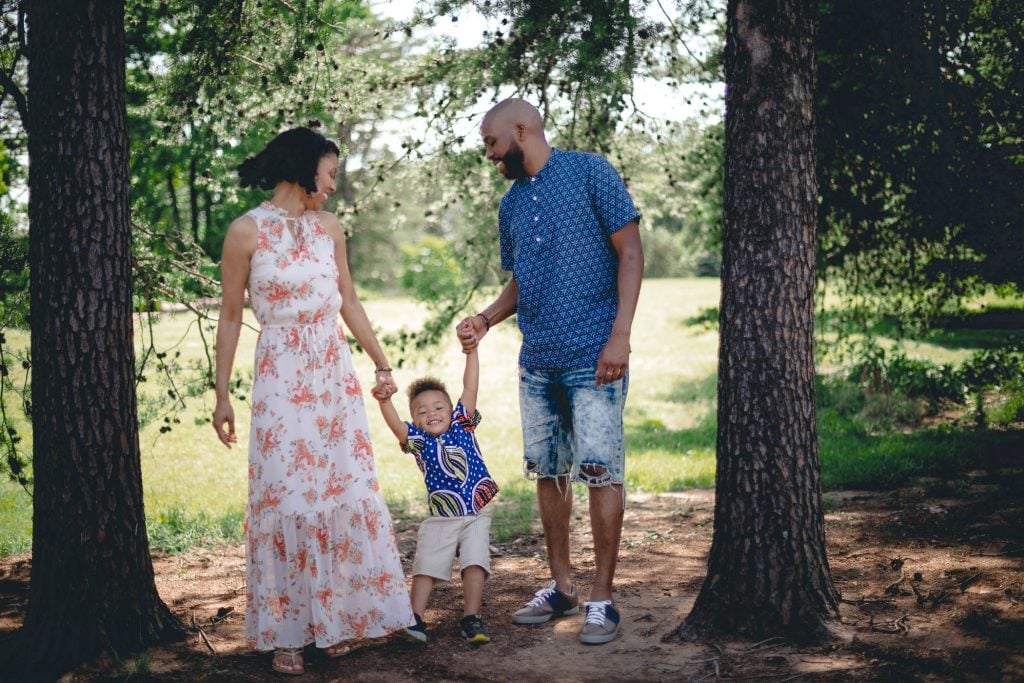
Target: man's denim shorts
x: 572, y: 426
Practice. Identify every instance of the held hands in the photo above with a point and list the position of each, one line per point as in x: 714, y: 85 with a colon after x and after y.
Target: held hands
x: 224, y: 415
x: 613, y: 362
x: 385, y: 386
x: 470, y: 331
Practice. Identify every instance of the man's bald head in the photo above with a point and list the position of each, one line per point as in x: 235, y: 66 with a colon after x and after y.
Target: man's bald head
x: 514, y: 112
x: 513, y: 135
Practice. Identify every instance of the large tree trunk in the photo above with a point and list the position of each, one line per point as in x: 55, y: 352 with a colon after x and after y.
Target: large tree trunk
x: 92, y: 585
x: 767, y: 571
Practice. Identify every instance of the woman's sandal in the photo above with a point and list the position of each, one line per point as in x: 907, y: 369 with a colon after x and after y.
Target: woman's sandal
x: 294, y: 666
x: 339, y: 650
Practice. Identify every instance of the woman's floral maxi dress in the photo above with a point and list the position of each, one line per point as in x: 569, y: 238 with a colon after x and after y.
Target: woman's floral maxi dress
x: 321, y: 563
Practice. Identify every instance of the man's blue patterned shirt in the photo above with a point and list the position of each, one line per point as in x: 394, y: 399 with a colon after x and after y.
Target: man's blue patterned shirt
x: 555, y: 230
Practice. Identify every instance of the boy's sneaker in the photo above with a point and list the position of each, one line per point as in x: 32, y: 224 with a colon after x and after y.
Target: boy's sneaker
x: 548, y: 603
x: 416, y: 633
x: 473, y: 630
x: 601, y: 624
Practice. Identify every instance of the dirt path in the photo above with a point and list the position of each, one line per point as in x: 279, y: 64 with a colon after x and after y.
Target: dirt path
x: 932, y: 579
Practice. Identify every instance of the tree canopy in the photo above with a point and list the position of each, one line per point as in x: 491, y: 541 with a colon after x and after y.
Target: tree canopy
x: 920, y: 151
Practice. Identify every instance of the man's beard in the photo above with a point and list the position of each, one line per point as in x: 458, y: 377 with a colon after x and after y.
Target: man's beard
x: 515, y: 165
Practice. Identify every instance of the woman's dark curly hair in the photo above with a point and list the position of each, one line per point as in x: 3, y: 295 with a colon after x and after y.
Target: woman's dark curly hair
x: 292, y: 156
x: 426, y: 384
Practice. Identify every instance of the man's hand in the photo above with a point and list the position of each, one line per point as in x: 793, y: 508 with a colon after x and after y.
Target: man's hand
x: 470, y: 331
x: 613, y: 362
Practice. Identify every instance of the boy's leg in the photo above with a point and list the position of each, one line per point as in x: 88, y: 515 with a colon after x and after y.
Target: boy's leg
x: 436, y: 544
x: 475, y: 559
x: 473, y: 578
x: 422, y: 585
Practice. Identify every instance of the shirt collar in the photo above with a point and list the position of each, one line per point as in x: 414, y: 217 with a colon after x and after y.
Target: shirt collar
x: 555, y: 152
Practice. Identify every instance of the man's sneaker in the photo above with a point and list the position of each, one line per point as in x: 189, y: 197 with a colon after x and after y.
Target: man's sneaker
x: 548, y: 603
x: 474, y: 631
x: 601, y: 624
x: 416, y: 633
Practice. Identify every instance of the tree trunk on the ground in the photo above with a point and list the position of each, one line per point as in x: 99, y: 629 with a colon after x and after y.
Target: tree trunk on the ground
x: 92, y: 584
x: 768, y: 574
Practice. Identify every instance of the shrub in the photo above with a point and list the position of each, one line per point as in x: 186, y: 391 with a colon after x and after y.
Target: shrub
x: 430, y: 271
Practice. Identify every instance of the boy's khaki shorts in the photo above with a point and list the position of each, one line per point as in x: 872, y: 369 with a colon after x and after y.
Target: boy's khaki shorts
x: 440, y: 539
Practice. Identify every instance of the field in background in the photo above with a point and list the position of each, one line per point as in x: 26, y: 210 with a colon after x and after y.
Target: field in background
x: 195, y: 489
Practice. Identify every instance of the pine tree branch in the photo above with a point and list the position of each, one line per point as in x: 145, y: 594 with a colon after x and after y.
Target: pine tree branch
x: 20, y: 101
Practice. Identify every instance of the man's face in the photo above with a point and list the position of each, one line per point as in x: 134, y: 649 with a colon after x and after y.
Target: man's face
x: 501, y: 149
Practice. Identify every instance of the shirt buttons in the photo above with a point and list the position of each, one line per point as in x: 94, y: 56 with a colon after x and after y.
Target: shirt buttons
x: 534, y: 197
x: 536, y: 218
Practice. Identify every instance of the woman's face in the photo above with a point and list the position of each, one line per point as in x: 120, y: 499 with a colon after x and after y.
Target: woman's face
x: 325, y: 186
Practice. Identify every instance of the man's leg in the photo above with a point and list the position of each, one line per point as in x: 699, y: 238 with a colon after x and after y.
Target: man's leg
x: 554, y: 499
x: 599, y: 442
x: 606, y: 527
x: 547, y: 457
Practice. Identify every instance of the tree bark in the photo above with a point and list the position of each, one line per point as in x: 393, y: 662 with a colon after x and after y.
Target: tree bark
x: 172, y: 195
x: 768, y: 573
x: 92, y: 585
x: 193, y: 196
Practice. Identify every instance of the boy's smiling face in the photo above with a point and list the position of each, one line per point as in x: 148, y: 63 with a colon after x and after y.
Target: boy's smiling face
x: 431, y: 412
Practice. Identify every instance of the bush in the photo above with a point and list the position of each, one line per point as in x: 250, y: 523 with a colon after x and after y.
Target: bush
x: 992, y: 369
x: 925, y: 380
x: 430, y: 271
x: 884, y: 411
x: 900, y: 390
x: 1009, y: 409
x: 880, y: 373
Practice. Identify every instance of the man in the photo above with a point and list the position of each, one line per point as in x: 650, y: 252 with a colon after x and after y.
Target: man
x: 570, y: 237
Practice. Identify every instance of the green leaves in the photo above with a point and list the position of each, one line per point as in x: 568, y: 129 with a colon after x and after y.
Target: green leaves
x: 920, y: 151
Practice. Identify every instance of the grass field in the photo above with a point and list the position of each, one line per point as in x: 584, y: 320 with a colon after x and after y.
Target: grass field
x: 195, y: 489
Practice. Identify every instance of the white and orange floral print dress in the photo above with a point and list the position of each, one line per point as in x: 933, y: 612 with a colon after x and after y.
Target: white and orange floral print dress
x: 322, y: 564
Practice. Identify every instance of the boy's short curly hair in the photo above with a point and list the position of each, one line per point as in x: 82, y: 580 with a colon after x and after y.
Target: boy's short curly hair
x: 426, y: 384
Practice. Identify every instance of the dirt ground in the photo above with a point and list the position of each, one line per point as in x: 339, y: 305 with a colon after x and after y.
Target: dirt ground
x: 931, y: 577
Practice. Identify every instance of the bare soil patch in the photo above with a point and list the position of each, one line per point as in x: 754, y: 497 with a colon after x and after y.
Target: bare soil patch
x: 931, y: 575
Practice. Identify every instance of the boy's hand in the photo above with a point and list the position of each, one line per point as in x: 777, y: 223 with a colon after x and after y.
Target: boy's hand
x: 470, y: 331
x: 465, y: 328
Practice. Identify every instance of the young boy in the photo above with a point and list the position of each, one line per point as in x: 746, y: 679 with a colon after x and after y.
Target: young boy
x: 458, y: 487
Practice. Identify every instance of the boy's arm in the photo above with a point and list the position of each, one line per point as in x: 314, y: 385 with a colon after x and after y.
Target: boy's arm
x: 394, y: 422
x: 470, y: 382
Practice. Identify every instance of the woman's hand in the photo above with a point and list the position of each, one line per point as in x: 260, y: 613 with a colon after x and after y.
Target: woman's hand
x: 224, y: 415
x: 385, y: 386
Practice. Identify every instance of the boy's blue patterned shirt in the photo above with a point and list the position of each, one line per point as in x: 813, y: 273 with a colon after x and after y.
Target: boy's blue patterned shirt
x: 458, y: 483
x: 555, y: 230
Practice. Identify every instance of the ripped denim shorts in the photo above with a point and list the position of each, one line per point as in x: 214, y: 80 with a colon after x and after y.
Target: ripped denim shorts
x: 572, y: 426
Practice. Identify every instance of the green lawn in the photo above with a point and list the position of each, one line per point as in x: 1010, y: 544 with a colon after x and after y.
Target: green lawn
x: 195, y: 488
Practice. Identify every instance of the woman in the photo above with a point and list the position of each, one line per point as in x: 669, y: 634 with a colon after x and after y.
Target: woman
x: 321, y: 562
